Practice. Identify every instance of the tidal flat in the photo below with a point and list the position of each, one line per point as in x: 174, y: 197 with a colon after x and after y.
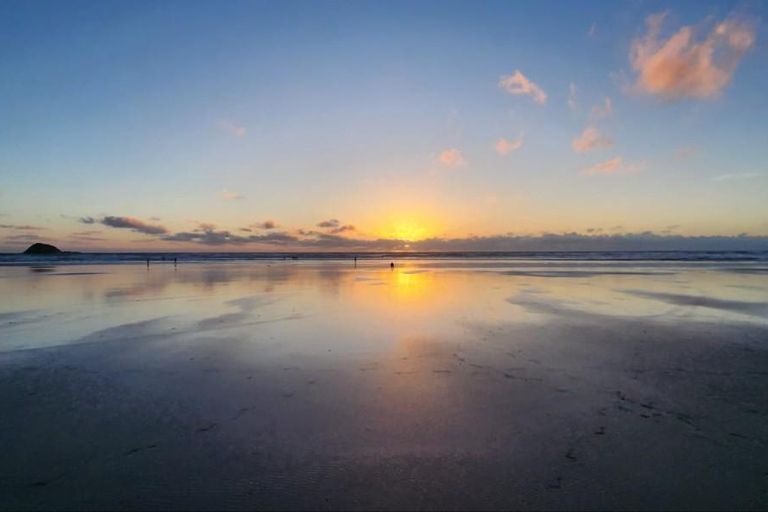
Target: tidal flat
x: 441, y: 384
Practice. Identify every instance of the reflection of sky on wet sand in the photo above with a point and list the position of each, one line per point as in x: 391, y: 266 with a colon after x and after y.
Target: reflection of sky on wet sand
x: 368, y: 308
x: 464, y: 384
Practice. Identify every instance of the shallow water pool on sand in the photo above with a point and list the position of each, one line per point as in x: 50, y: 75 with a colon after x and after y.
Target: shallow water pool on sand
x: 440, y: 384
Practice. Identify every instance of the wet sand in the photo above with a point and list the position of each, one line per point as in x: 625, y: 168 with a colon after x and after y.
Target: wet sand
x: 439, y: 385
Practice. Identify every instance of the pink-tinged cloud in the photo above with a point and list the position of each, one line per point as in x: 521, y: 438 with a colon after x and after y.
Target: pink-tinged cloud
x: 231, y: 128
x: 226, y: 194
x: 612, y: 167
x: 518, y: 83
x: 590, y: 140
x: 681, y: 66
x: 603, y: 110
x: 452, y: 158
x: 504, y: 146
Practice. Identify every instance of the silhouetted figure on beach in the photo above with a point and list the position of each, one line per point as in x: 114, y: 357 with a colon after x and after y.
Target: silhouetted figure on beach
x: 355, y: 261
x: 175, y: 262
x: 147, y: 262
x: 392, y: 266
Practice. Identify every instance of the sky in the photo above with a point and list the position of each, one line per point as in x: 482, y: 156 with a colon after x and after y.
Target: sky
x: 258, y: 126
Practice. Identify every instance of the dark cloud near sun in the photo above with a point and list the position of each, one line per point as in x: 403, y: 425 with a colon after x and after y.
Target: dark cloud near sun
x: 267, y: 224
x: 331, y: 223
x: 342, y: 229
x: 212, y: 237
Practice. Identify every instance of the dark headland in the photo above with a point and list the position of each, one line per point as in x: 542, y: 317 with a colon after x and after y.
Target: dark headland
x: 43, y: 249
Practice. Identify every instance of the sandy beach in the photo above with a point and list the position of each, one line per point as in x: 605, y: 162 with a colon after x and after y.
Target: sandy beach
x: 441, y: 384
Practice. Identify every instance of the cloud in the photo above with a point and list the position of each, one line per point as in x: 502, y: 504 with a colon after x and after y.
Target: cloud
x: 670, y: 229
x: 267, y: 224
x: 342, y: 229
x: 134, y: 225
x: 685, y: 152
x: 504, y: 146
x: 590, y: 140
x: 87, y: 220
x: 17, y: 239
x: 518, y: 83
x: 604, y: 110
x: 21, y: 228
x: 331, y: 223
x: 592, y: 31
x: 231, y: 128
x: 737, y: 176
x: 212, y: 237
x: 613, y: 166
x: 682, y: 67
x: 572, y: 96
x: 232, y: 196
x: 452, y: 158
x: 596, y: 239
x: 87, y: 236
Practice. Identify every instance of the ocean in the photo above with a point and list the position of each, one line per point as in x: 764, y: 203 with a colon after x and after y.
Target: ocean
x: 112, y: 258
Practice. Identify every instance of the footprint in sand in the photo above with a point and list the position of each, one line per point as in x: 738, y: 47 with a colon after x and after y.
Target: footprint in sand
x: 141, y: 449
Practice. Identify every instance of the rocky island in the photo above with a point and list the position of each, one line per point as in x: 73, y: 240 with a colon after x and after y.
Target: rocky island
x: 43, y: 249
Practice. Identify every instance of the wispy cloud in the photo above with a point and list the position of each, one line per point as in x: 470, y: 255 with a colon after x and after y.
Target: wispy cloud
x: 737, y: 176
x: 504, y: 146
x: 232, y: 196
x: 572, y: 96
x: 231, y: 128
x: 603, y: 110
x: 87, y: 236
x: 134, y: 225
x: 18, y: 227
x: 681, y: 67
x: 590, y: 140
x: 518, y: 83
x: 452, y: 158
x: 592, y: 31
x: 613, y: 166
x: 685, y: 152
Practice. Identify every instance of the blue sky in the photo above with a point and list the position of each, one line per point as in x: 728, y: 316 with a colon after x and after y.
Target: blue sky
x: 208, y: 118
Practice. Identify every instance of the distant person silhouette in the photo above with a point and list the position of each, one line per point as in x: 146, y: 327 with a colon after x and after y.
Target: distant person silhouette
x: 175, y: 262
x: 355, y: 261
x: 147, y: 262
x: 392, y: 265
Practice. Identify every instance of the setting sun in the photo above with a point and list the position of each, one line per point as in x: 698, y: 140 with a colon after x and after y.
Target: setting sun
x: 408, y: 232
